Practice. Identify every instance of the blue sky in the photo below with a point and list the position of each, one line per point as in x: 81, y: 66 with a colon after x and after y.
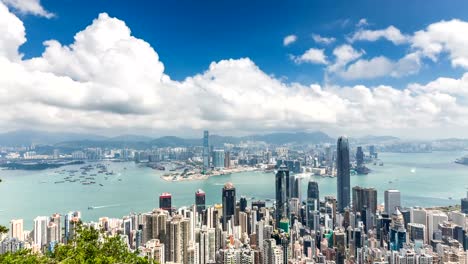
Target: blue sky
x: 179, y: 67
x: 188, y: 35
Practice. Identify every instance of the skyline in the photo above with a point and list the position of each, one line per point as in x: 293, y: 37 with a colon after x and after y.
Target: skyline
x: 109, y: 78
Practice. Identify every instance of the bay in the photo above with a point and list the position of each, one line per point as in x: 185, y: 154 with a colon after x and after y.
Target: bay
x: 424, y: 179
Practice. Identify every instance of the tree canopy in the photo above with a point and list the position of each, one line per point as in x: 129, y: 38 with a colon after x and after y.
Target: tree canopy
x: 86, y: 247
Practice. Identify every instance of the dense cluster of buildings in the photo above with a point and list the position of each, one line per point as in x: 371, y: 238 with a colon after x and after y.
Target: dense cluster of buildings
x: 349, y: 228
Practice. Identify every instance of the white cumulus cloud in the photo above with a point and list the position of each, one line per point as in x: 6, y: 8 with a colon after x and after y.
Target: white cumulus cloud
x: 312, y: 55
x: 33, y: 7
x: 444, y: 36
x: 391, y: 33
x: 107, y: 80
x: 289, y: 40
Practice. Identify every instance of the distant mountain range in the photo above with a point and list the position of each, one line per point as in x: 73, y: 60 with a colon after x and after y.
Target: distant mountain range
x: 76, y: 140
x: 62, y: 139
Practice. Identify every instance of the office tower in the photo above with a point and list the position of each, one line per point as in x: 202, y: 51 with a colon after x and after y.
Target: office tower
x: 206, y: 151
x: 229, y: 203
x: 165, y: 202
x: 297, y: 190
x: 364, y: 198
x: 417, y: 232
x: 40, y: 230
x: 242, y: 204
x: 359, y: 157
x: 464, y: 204
x: 397, y: 231
x: 312, y: 202
x: 392, y: 199
x: 281, y: 189
x: 342, y: 174
x: 434, y: 218
x: 227, y: 159
x: 200, y: 197
x: 16, y: 229
x: 218, y: 158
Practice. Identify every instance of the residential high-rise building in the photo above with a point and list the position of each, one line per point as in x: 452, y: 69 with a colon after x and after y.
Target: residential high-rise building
x: 52, y: 233
x: 392, y: 199
x: 218, y: 158
x: 200, y: 198
x: 364, y: 198
x: 16, y: 229
x: 40, y: 230
x: 229, y: 203
x: 282, y: 191
x: 206, y: 150
x: 56, y: 219
x: 342, y: 173
x: 165, y: 202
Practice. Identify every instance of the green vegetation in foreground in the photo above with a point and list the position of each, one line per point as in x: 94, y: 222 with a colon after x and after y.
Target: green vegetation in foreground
x: 3, y: 230
x: 87, y: 247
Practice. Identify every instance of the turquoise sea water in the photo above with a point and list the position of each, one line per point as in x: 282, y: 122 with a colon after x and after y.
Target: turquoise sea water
x: 424, y: 179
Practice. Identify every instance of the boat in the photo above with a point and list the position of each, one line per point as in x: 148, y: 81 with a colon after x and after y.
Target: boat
x: 90, y: 208
x: 101, y: 184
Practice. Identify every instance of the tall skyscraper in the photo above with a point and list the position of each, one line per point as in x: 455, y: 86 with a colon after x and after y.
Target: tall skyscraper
x: 342, y: 173
x: 206, y: 151
x: 364, y: 198
x: 229, y: 203
x: 392, y: 200
x: 165, y: 202
x: 282, y: 190
x: 200, y: 198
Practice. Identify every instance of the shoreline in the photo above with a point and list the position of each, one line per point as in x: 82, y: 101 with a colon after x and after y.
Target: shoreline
x: 197, y: 176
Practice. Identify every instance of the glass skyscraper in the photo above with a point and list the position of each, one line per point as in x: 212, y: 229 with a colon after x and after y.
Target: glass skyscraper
x: 282, y: 192
x: 229, y: 203
x: 206, y: 151
x: 342, y: 173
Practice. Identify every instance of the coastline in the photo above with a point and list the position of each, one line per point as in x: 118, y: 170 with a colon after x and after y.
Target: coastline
x: 197, y: 176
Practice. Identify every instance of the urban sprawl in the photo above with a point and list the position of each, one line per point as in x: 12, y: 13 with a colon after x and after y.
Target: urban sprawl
x: 350, y: 227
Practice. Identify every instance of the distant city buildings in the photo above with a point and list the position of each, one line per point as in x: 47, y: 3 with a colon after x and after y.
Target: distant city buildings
x: 300, y: 224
